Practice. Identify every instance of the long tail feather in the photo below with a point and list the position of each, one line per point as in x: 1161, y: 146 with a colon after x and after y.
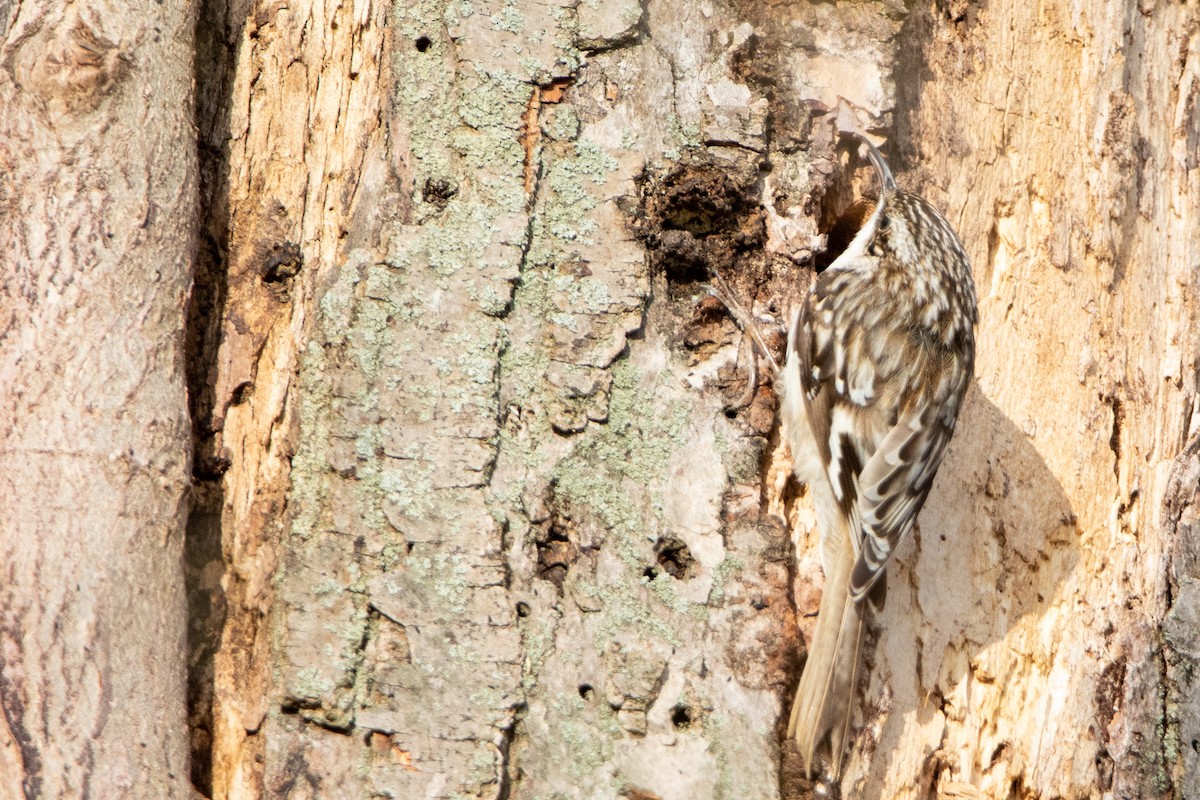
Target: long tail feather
x: 824, y: 700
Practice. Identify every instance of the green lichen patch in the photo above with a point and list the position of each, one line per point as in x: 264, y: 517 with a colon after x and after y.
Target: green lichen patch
x: 570, y: 186
x: 587, y: 737
x: 616, y: 474
x: 508, y: 18
x: 728, y: 566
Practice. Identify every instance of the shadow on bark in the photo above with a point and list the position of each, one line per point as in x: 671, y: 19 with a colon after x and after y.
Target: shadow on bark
x: 997, y: 543
x: 1181, y: 626
x: 216, y: 54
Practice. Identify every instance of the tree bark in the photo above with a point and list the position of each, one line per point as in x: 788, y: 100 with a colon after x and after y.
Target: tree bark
x: 474, y: 497
x: 97, y: 220
x: 472, y: 516
x: 1076, y: 195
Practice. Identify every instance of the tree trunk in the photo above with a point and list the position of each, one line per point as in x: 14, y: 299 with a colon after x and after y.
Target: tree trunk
x: 487, y: 500
x: 97, y: 215
x: 474, y: 540
x: 1077, y: 196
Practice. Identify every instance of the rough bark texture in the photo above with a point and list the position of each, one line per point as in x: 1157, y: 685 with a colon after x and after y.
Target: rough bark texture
x: 501, y: 555
x: 97, y: 214
x: 289, y: 107
x: 1077, y: 196
x: 472, y: 520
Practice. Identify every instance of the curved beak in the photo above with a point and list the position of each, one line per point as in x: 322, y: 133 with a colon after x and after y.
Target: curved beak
x: 885, y: 173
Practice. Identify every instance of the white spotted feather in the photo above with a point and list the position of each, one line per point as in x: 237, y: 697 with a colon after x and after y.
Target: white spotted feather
x: 879, y: 358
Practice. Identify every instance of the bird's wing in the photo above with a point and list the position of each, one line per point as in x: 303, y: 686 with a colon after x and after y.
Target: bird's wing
x: 880, y: 459
x: 838, y: 402
x: 897, y: 477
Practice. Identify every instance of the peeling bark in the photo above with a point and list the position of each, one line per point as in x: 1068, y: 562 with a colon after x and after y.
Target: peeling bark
x: 475, y: 516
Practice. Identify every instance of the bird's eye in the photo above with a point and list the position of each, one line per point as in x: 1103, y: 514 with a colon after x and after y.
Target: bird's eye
x: 885, y: 222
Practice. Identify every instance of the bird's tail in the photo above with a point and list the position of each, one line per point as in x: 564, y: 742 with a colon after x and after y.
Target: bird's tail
x: 824, y: 700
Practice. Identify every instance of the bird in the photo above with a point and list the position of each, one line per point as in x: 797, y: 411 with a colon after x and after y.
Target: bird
x: 879, y: 357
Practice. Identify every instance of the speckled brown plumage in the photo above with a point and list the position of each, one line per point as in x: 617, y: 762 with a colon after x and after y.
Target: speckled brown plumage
x: 879, y: 359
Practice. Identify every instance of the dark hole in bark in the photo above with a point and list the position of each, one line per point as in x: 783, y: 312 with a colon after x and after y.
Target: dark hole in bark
x: 675, y: 557
x: 704, y: 225
x: 438, y: 191
x: 282, y: 262
x: 240, y: 392
x: 586, y: 691
x: 681, y: 716
x: 843, y: 230
x: 556, y: 553
x: 422, y: 43
x: 699, y: 219
x: 522, y: 609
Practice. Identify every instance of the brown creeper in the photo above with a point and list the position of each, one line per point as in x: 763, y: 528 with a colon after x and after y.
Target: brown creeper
x: 879, y: 357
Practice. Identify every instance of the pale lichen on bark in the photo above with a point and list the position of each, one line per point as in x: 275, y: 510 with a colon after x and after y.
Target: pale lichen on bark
x: 526, y: 553
x: 446, y: 423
